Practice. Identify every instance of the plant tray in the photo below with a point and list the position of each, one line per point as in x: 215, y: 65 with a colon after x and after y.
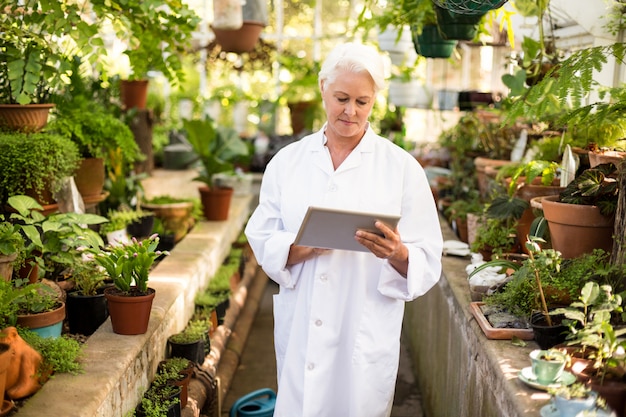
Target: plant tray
x: 494, y: 333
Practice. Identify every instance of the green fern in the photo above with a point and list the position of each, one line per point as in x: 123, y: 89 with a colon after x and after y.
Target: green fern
x: 567, y: 85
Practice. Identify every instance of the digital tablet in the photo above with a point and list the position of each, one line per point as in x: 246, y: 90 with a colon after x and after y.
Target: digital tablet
x: 335, y: 229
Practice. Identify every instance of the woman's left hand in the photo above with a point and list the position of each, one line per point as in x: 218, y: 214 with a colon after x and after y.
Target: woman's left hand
x: 389, y: 246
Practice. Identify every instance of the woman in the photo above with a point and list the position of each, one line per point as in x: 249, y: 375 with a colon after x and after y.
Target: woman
x: 338, y: 314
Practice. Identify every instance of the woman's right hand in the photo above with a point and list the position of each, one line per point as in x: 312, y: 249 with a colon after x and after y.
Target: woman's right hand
x: 299, y: 254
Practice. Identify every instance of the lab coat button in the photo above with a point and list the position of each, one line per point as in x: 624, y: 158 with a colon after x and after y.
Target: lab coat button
x: 324, y: 277
x: 310, y: 366
x: 318, y: 322
x: 332, y: 187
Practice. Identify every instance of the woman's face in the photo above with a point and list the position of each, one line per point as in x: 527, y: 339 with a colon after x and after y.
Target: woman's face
x: 348, y: 102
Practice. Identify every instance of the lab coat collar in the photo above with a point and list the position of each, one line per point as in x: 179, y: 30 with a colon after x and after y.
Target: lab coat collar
x: 320, y: 153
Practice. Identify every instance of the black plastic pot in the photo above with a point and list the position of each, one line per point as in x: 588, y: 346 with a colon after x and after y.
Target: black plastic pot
x: 548, y: 336
x: 85, y: 313
x: 141, y: 228
x: 194, y: 351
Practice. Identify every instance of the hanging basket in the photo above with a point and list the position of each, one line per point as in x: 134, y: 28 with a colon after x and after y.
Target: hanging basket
x: 431, y: 44
x: 470, y: 6
x: 457, y: 26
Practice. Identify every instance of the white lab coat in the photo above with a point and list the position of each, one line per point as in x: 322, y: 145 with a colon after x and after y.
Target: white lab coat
x: 338, y: 316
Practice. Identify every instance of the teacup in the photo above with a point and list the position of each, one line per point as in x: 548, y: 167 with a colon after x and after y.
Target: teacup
x: 571, y: 407
x: 547, y: 365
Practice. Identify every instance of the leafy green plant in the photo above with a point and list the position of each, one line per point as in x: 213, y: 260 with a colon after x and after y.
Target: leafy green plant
x: 591, y: 329
x: 157, y: 33
x: 60, y: 355
x: 196, y: 330
x: 129, y: 264
x: 8, y: 306
x: 35, y: 298
x: 159, y: 397
x: 548, y: 273
x: 566, y: 85
x: 36, y: 162
x: 522, y: 173
x: 120, y: 219
x: 87, y: 277
x: 36, y: 49
x: 11, y: 240
x: 494, y: 234
x: 216, y: 147
x: 596, y: 186
x: 93, y: 128
x: 56, y: 241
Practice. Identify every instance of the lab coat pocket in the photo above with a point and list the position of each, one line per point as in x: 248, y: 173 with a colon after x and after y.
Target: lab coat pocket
x: 283, y: 317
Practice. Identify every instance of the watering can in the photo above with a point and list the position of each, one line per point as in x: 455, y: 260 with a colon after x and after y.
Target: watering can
x: 259, y: 403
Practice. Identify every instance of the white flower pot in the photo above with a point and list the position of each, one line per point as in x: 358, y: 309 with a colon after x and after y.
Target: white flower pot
x: 412, y: 94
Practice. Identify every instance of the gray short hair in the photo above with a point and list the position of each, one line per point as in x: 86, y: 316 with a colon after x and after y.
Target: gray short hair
x: 355, y: 58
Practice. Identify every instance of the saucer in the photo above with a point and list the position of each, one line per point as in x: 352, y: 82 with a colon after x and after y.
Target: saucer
x: 527, y: 376
x: 551, y: 411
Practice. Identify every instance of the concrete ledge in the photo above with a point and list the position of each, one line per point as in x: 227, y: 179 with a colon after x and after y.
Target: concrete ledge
x: 459, y: 371
x: 119, y: 368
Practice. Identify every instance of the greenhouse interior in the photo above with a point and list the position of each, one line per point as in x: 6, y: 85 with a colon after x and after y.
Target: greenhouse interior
x: 301, y: 208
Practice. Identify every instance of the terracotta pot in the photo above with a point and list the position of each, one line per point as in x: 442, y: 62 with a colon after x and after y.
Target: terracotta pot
x: 215, y: 202
x: 300, y: 115
x: 130, y: 314
x: 576, y: 229
x: 6, y: 266
x: 482, y: 177
x: 176, y: 217
x: 27, y: 118
x: 528, y: 192
x: 613, y: 391
x: 616, y: 157
x: 46, y: 324
x: 134, y: 94
x: 89, y: 177
x: 239, y: 40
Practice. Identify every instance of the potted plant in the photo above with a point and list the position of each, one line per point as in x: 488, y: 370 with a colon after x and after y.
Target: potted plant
x: 586, y: 207
x: 216, y: 147
x: 95, y: 129
x: 39, y: 308
x: 301, y: 93
x: 594, y: 337
x: 192, y: 343
x: 176, y: 214
x: 573, y: 399
x: 85, y: 302
x: 157, y: 35
x: 53, y: 242
x: 130, y: 299
x: 11, y: 245
x: 175, y: 371
x: 406, y: 89
x: 160, y: 399
x: 544, y: 282
x: 36, y: 53
x: 35, y: 163
x: 547, y: 365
